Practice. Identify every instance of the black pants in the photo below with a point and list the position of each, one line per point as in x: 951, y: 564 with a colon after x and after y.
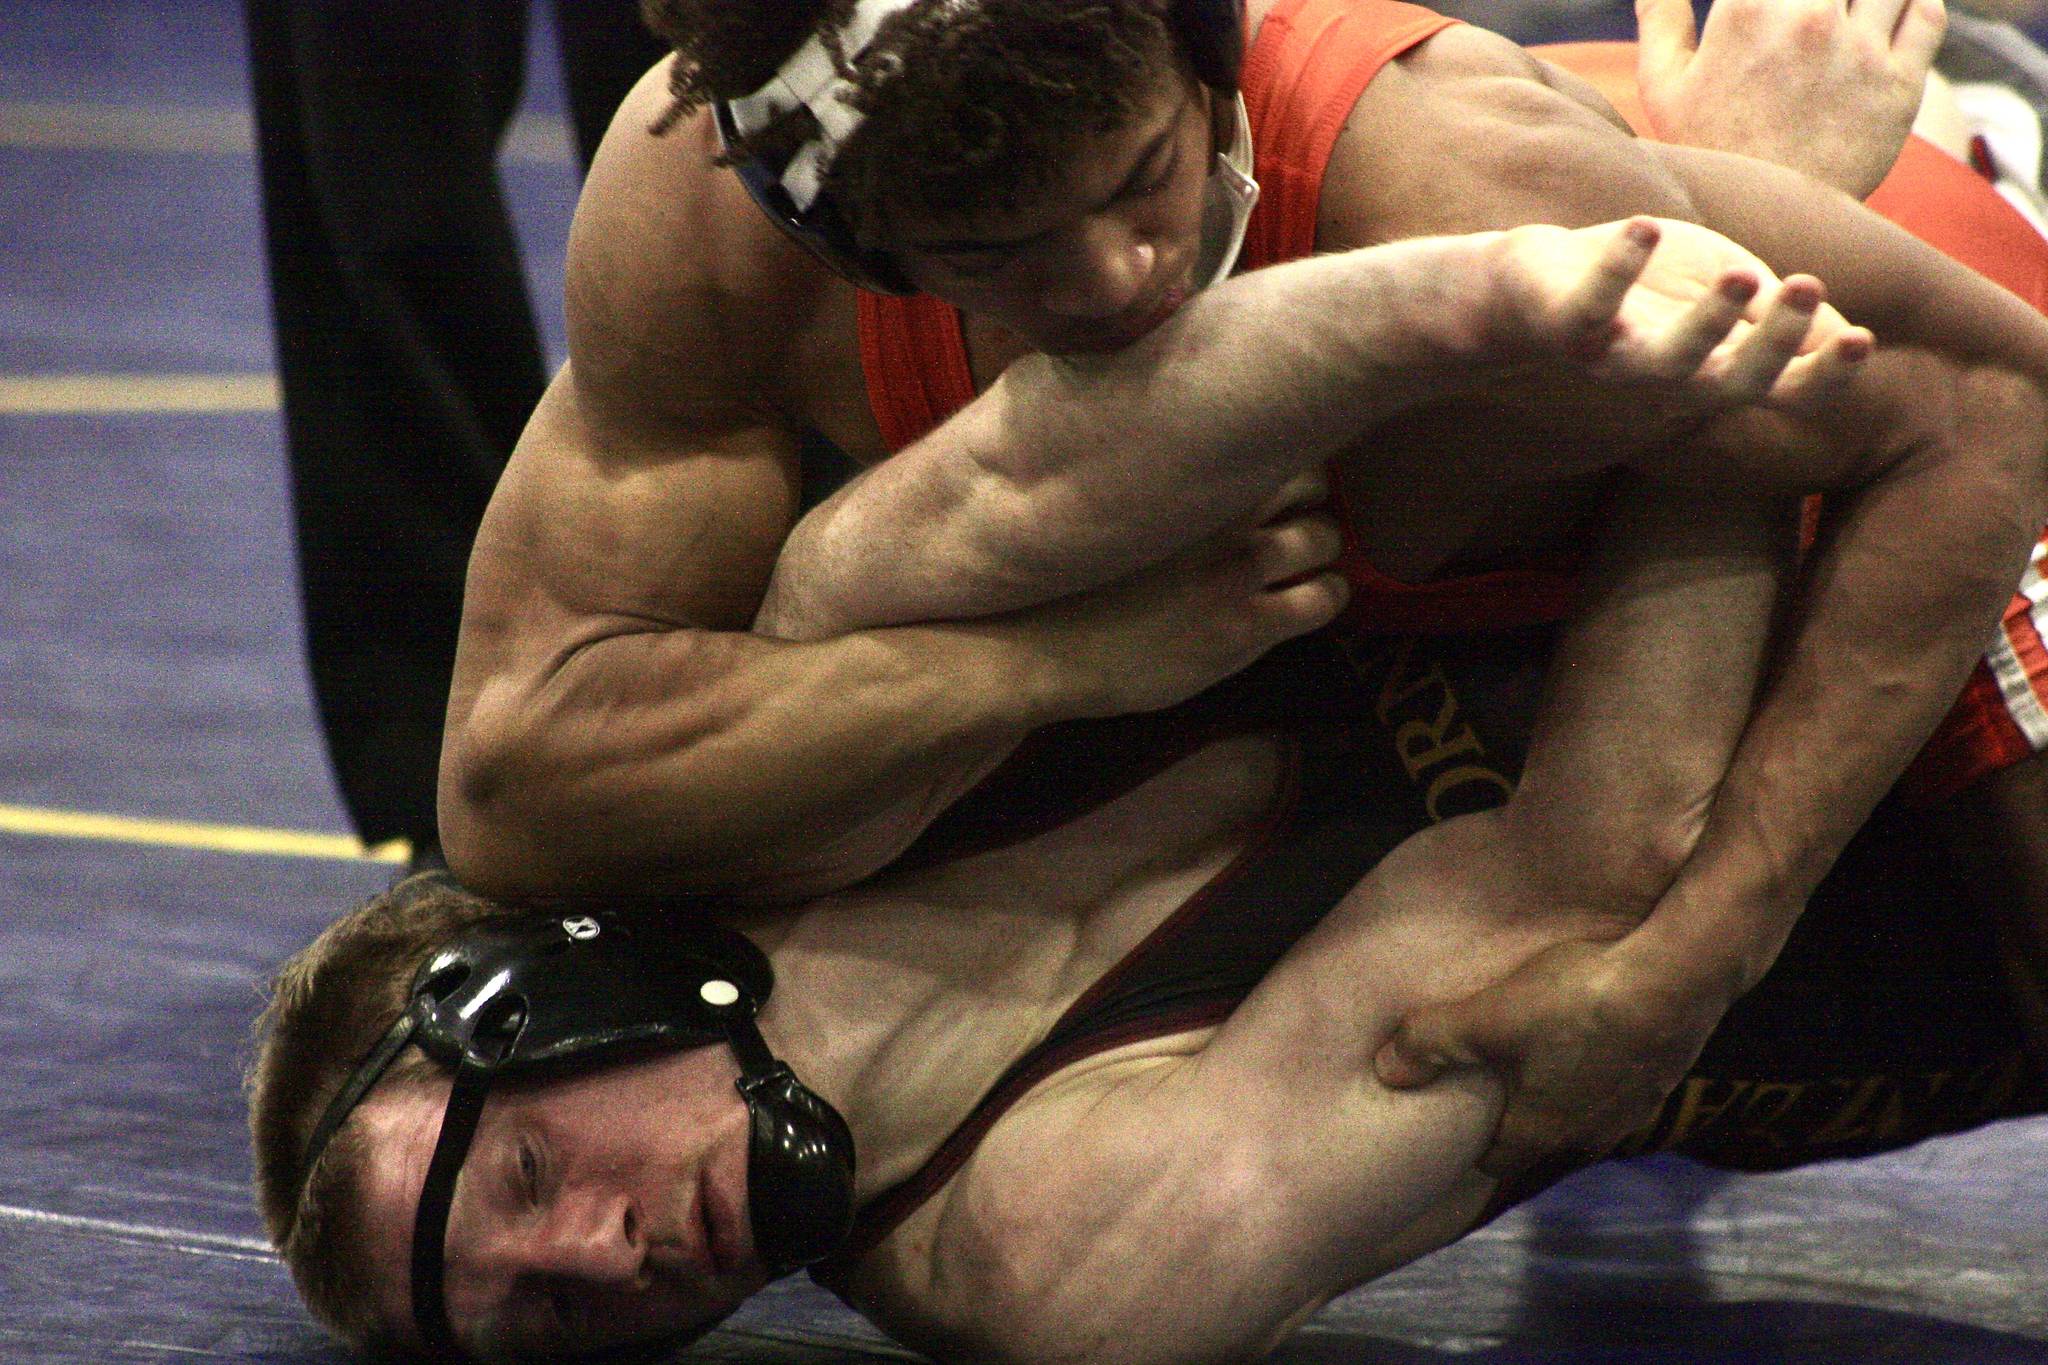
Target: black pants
x: 406, y: 345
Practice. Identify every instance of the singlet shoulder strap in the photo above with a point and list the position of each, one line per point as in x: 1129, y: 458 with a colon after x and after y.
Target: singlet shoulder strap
x: 913, y: 355
x: 1311, y: 62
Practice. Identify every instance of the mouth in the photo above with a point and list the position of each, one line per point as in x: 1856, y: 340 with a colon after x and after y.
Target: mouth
x: 1113, y: 334
x: 1169, y: 303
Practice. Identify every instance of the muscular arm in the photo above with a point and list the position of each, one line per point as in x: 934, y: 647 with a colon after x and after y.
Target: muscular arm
x: 1068, y: 474
x: 1938, y: 458
x: 611, y: 718
x: 1064, y: 476
x: 618, y: 732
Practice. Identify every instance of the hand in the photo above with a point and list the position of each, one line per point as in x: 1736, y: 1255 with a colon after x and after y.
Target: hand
x: 1589, y: 1046
x: 1827, y: 87
x: 1674, y: 308
x: 1182, y: 625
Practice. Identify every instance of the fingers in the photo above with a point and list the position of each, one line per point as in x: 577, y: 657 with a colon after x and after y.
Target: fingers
x: 1591, y: 310
x: 1708, y: 324
x: 1666, y: 40
x: 1812, y: 380
x: 1308, y: 605
x: 1877, y: 17
x: 1287, y: 557
x: 1754, y: 363
x: 1301, y: 493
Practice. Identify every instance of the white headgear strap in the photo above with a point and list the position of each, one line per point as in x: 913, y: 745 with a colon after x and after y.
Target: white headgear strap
x: 811, y: 80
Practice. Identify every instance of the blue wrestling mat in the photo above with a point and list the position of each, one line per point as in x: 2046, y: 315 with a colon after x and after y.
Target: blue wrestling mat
x: 168, y: 832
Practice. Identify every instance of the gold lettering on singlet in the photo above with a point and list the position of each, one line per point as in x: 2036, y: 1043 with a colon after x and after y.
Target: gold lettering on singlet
x: 1433, y: 748
x: 1399, y: 687
x: 1767, y: 1106
x: 1852, y: 1122
x: 1701, y: 1100
x: 1466, y: 776
x: 1425, y: 744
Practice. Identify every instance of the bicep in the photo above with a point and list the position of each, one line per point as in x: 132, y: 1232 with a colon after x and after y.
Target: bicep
x: 668, y: 520
x: 1136, y: 1214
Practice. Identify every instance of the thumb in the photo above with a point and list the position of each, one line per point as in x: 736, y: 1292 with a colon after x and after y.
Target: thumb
x: 1666, y: 41
x: 1427, y: 1044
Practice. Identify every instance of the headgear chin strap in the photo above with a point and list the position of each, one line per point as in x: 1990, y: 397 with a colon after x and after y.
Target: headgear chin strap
x: 538, y: 996
x: 792, y: 192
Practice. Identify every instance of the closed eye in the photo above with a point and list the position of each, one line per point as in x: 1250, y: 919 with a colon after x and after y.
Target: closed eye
x: 1160, y: 181
x: 529, y: 1172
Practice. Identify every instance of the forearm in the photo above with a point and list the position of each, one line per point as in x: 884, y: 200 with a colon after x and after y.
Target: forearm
x: 662, y: 762
x: 1903, y: 591
x: 1649, y: 691
x: 1064, y: 476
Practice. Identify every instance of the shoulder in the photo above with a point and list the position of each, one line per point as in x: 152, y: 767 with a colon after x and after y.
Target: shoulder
x: 1471, y: 132
x: 678, y: 287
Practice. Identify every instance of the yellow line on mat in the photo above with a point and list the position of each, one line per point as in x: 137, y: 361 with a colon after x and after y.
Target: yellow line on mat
x: 56, y: 125
x: 58, y: 394
x: 128, y: 829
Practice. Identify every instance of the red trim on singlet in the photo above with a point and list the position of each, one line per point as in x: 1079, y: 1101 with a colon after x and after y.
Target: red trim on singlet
x: 914, y: 356
x: 1302, y: 78
x: 1976, y: 738
x: 888, y: 1211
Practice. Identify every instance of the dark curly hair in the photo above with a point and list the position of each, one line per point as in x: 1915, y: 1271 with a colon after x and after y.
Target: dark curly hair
x: 971, y: 105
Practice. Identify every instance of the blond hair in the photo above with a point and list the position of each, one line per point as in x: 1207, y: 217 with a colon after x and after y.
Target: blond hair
x: 328, y: 1006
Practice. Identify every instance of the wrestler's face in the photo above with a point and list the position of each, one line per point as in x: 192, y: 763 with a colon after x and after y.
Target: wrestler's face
x: 1098, y: 260
x: 594, y: 1210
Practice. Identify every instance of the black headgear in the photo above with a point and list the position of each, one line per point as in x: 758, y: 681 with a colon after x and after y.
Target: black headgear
x: 527, y: 997
x: 1211, y: 31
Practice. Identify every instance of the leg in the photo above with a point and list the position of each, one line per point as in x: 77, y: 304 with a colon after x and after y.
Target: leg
x: 406, y: 348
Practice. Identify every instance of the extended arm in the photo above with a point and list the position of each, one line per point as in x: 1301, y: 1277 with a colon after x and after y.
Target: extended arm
x: 1064, y: 476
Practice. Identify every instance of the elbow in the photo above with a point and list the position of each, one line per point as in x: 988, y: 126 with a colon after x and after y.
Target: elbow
x: 1994, y: 433
x: 488, y: 796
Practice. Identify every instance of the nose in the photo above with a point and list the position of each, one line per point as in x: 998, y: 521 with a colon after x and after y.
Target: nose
x: 1107, y: 272
x: 592, y: 1236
